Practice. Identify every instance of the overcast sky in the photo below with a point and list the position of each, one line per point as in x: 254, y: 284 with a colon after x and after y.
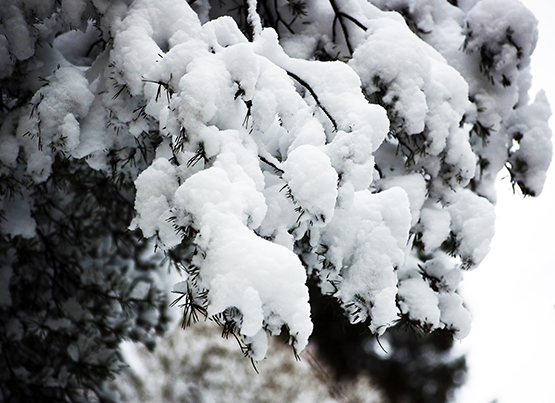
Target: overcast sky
x: 511, y: 349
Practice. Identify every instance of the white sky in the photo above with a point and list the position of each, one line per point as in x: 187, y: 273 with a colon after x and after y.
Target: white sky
x: 511, y: 349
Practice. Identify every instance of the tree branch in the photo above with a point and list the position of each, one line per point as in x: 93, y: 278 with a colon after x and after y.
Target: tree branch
x: 264, y: 160
x: 339, y: 15
x: 280, y: 19
x: 309, y: 88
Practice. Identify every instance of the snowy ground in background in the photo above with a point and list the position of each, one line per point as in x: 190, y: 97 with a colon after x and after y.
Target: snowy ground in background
x: 511, y: 348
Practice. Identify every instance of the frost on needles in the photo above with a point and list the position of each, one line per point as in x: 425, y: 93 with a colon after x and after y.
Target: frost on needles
x: 354, y: 143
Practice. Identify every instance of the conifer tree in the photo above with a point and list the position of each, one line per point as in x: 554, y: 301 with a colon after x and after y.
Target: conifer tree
x: 249, y: 145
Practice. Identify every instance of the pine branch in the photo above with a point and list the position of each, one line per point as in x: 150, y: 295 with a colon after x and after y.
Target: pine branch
x: 339, y: 15
x: 280, y: 19
x: 278, y: 170
x: 309, y: 88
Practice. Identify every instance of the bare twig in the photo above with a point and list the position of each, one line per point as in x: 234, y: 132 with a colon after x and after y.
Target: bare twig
x: 309, y: 88
x: 339, y: 15
x: 264, y: 160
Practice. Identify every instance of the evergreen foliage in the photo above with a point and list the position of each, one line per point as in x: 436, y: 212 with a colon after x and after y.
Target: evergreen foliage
x: 250, y: 145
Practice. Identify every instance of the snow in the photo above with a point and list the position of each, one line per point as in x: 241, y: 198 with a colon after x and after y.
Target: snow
x: 406, y: 76
x: 225, y: 195
x: 419, y: 302
x: 361, y: 127
x: 17, y: 32
x: 241, y: 269
x: 446, y: 270
x: 73, y: 10
x: 276, y: 160
x: 253, y: 18
x: 490, y: 23
x: 93, y: 135
x: 53, y: 119
x: 144, y: 34
x: 366, y: 243
x: 436, y: 226
x: 530, y: 130
x: 312, y: 180
x: 472, y: 222
x: 155, y: 191
x: 257, y: 276
x: 70, y: 130
x: 454, y: 314
x: 315, y: 139
x: 415, y: 186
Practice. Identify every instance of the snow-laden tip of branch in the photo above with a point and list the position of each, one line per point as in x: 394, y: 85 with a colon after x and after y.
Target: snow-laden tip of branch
x: 254, y: 19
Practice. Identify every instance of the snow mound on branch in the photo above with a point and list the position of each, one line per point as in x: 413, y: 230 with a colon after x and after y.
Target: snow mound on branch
x: 415, y: 186
x: 425, y: 97
x: 53, y: 121
x: 454, y: 315
x: 240, y: 269
x: 149, y: 28
x: 473, y: 226
x: 223, y: 190
x: 155, y: 190
x: 366, y: 243
x: 261, y: 278
x: 267, y: 138
x: 532, y: 147
x: 511, y: 28
x: 312, y: 180
x: 358, y: 127
x: 419, y: 302
x: 435, y: 226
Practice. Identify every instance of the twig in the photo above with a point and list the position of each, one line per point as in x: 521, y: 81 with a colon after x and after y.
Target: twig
x: 264, y: 160
x: 338, y: 17
x: 279, y: 19
x: 309, y: 88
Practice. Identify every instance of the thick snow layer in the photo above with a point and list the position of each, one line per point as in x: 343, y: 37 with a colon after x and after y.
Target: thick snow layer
x: 512, y: 27
x: 370, y: 172
x: 415, y: 186
x: 155, y: 191
x: 436, y: 226
x: 242, y: 104
x: 17, y: 33
x: 215, y: 190
x: 310, y: 122
x: 472, y: 223
x: 260, y: 278
x: 52, y: 120
x: 148, y: 29
x: 445, y: 270
x: 454, y: 315
x: 366, y: 243
x: 533, y: 149
x: 359, y: 127
x: 426, y: 99
x: 312, y: 180
x: 419, y: 302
